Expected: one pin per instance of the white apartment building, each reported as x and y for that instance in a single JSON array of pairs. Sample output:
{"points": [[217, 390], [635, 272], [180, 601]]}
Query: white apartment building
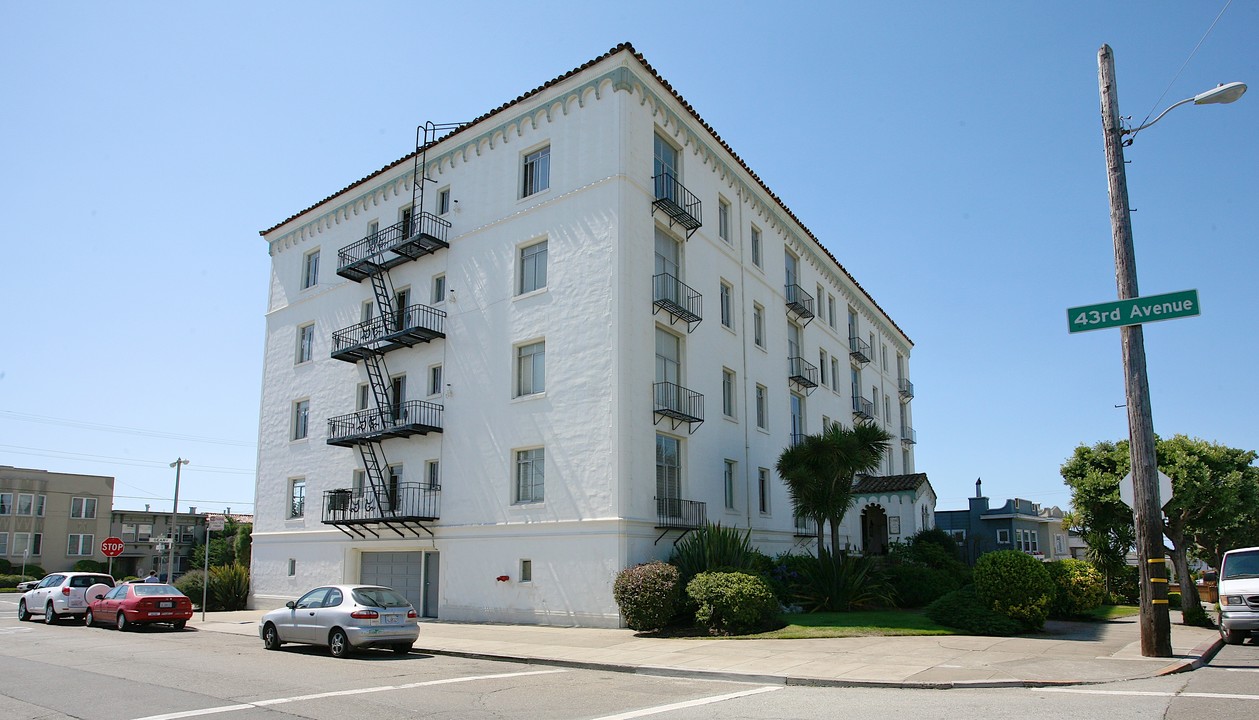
{"points": [[588, 330]]}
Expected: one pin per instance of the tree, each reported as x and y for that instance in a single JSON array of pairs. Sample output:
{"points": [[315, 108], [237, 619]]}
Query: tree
{"points": [[230, 545], [820, 471], [1102, 519]]}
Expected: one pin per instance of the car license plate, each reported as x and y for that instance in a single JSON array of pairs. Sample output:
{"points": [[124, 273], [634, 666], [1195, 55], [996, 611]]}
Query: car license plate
{"points": [[76, 602], [393, 619], [166, 604]]}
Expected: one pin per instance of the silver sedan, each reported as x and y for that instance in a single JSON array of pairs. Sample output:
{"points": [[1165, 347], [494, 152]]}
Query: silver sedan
{"points": [[344, 618]]}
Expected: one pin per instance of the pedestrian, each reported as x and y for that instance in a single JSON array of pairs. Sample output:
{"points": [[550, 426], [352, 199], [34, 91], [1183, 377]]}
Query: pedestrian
{"points": [[153, 578]]}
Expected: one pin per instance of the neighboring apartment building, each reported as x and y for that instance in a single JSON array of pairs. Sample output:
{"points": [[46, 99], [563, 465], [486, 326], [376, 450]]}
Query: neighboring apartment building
{"points": [[1017, 525], [52, 520], [147, 535], [589, 330]]}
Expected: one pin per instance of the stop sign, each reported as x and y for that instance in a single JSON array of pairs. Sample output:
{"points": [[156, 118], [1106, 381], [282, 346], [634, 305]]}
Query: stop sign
{"points": [[112, 547]]}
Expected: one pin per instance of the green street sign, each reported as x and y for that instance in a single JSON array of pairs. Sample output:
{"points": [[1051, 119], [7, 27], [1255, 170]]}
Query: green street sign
{"points": [[1133, 311]]}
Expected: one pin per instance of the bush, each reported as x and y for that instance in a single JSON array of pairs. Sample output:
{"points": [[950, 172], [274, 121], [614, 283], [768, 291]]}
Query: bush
{"points": [[786, 576], [1125, 587], [1078, 588], [914, 585], [838, 583], [92, 566], [192, 584], [229, 587], [1016, 585], [1173, 599], [732, 603], [33, 572], [11, 580], [962, 609], [714, 548], [648, 595], [6, 567]]}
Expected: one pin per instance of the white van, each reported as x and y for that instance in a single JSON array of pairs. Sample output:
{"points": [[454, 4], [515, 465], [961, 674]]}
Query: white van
{"points": [[1239, 594]]}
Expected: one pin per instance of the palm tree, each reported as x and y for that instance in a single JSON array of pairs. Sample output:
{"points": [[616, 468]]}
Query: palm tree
{"points": [[820, 470]]}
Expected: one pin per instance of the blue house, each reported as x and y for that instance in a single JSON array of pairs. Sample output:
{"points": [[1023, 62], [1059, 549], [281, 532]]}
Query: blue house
{"points": [[1017, 525]]}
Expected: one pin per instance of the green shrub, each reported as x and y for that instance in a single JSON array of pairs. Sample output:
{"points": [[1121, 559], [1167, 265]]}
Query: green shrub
{"points": [[92, 566], [32, 572], [838, 583], [648, 595], [786, 576], [962, 609], [11, 580], [192, 584], [933, 539], [1016, 585], [714, 548], [732, 603], [1078, 588], [6, 567], [914, 585], [1173, 599], [1125, 586], [229, 587]]}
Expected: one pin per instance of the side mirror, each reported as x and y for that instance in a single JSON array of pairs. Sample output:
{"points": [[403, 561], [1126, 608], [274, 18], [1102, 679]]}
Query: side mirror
{"points": [[99, 597], [291, 604]]}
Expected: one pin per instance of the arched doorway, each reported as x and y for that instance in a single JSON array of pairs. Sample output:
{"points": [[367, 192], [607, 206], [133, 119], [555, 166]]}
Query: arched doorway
{"points": [[874, 530]]}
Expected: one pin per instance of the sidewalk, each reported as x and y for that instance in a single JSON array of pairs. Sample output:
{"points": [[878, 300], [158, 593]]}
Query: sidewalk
{"points": [[1066, 654]]}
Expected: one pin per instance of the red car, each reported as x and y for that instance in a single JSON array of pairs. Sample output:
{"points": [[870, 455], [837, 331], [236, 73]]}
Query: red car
{"points": [[132, 604]]}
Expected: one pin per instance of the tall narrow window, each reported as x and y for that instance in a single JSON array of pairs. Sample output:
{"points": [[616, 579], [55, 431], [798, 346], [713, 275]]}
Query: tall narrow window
{"points": [[852, 324], [668, 357], [727, 305], [830, 309], [301, 419], [439, 289], [756, 246], [306, 343], [797, 417], [532, 268], [4, 544], [530, 369], [727, 393], [6, 503], [297, 497], [762, 408], [822, 365], [443, 201], [433, 472], [762, 490], [791, 264], [668, 476], [536, 175], [758, 325], [310, 269], [723, 219], [529, 475], [435, 380], [728, 483], [664, 163], [364, 394]]}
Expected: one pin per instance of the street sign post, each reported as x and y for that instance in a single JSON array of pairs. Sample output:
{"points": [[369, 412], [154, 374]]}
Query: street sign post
{"points": [[1133, 311]]}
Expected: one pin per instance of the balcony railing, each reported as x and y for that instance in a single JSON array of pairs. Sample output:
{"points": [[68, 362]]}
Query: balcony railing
{"points": [[414, 417], [906, 388], [805, 526], [863, 408], [677, 513], [908, 436], [799, 302], [859, 350], [795, 439], [680, 204], [676, 298], [401, 242], [404, 501], [802, 372], [678, 403], [415, 324]]}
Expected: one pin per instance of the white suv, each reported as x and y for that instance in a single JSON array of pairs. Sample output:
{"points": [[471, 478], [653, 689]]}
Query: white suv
{"points": [[60, 594], [1239, 594]]}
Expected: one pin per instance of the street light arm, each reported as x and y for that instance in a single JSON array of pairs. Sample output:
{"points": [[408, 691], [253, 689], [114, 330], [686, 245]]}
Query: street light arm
{"points": [[1222, 94], [1134, 131]]}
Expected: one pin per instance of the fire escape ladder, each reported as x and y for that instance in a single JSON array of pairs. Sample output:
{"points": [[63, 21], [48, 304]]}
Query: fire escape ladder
{"points": [[425, 135], [382, 288], [375, 465], [378, 379]]}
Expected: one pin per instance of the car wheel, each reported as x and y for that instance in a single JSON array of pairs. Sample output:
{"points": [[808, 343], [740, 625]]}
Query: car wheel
{"points": [[88, 619], [22, 613], [402, 648], [180, 624], [271, 637], [121, 622], [50, 615], [1232, 637], [338, 643]]}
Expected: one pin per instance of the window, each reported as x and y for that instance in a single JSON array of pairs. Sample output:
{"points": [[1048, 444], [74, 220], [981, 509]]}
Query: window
{"points": [[144, 532], [433, 473], [6, 503], [1003, 537], [852, 324], [297, 497], [435, 380], [756, 246], [83, 507], [728, 483], [306, 343], [292, 567], [821, 293], [439, 290], [24, 541], [443, 201], [80, 545], [364, 394], [884, 357], [41, 500], [664, 162], [887, 407], [25, 504], [668, 476], [367, 311], [532, 268], [404, 221], [830, 310], [128, 531], [823, 365], [530, 369], [356, 481], [1034, 541], [529, 475], [310, 269], [301, 419], [727, 305], [4, 544], [835, 374], [762, 490], [526, 571], [723, 219], [536, 174], [758, 325], [761, 408], [727, 393]]}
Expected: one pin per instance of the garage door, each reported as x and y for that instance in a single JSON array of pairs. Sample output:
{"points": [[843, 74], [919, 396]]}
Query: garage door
{"points": [[401, 571]]}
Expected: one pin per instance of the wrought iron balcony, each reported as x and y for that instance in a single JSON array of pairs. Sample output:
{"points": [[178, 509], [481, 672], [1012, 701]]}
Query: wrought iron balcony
{"points": [[863, 408], [415, 324], [676, 298], [908, 436], [806, 527], [795, 439], [392, 503], [859, 351], [802, 372], [678, 404], [414, 417], [683, 514], [399, 243], [678, 203], [799, 303], [906, 388]]}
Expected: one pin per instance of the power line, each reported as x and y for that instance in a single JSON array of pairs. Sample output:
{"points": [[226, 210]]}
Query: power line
{"points": [[27, 417], [109, 460]]}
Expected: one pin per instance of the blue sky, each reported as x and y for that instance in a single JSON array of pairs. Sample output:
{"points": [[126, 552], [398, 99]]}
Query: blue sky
{"points": [[949, 154]]}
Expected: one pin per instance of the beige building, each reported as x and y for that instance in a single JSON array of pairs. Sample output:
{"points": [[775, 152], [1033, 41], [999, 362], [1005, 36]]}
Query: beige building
{"points": [[52, 520]]}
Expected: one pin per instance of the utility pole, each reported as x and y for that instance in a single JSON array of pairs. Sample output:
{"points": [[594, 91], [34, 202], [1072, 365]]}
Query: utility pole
{"points": [[1156, 631], [174, 530]]}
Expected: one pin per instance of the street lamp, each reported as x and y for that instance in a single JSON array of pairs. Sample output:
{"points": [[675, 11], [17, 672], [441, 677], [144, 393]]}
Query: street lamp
{"points": [[1156, 637], [170, 563]]}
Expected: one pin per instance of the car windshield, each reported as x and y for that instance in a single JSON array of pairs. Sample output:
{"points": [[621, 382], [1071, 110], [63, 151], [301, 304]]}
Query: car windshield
{"points": [[155, 589], [1241, 565], [379, 597]]}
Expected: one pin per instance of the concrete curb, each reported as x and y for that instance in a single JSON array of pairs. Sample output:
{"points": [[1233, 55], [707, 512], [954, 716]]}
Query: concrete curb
{"points": [[1196, 658]]}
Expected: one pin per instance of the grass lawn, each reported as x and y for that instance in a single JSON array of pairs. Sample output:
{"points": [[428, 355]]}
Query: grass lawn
{"points": [[1110, 612], [855, 624]]}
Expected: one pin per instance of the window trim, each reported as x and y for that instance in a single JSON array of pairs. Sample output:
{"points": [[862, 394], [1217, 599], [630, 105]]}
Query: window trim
{"points": [[729, 394], [296, 504], [1003, 533], [763, 491], [762, 407], [758, 248], [725, 301], [532, 259], [298, 421], [310, 271], [518, 356], [723, 220], [443, 200], [729, 475], [528, 184], [305, 343], [537, 491], [83, 501], [758, 325]]}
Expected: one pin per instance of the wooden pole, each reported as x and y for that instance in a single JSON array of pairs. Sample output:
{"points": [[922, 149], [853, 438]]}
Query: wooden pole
{"points": [[1156, 631]]}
